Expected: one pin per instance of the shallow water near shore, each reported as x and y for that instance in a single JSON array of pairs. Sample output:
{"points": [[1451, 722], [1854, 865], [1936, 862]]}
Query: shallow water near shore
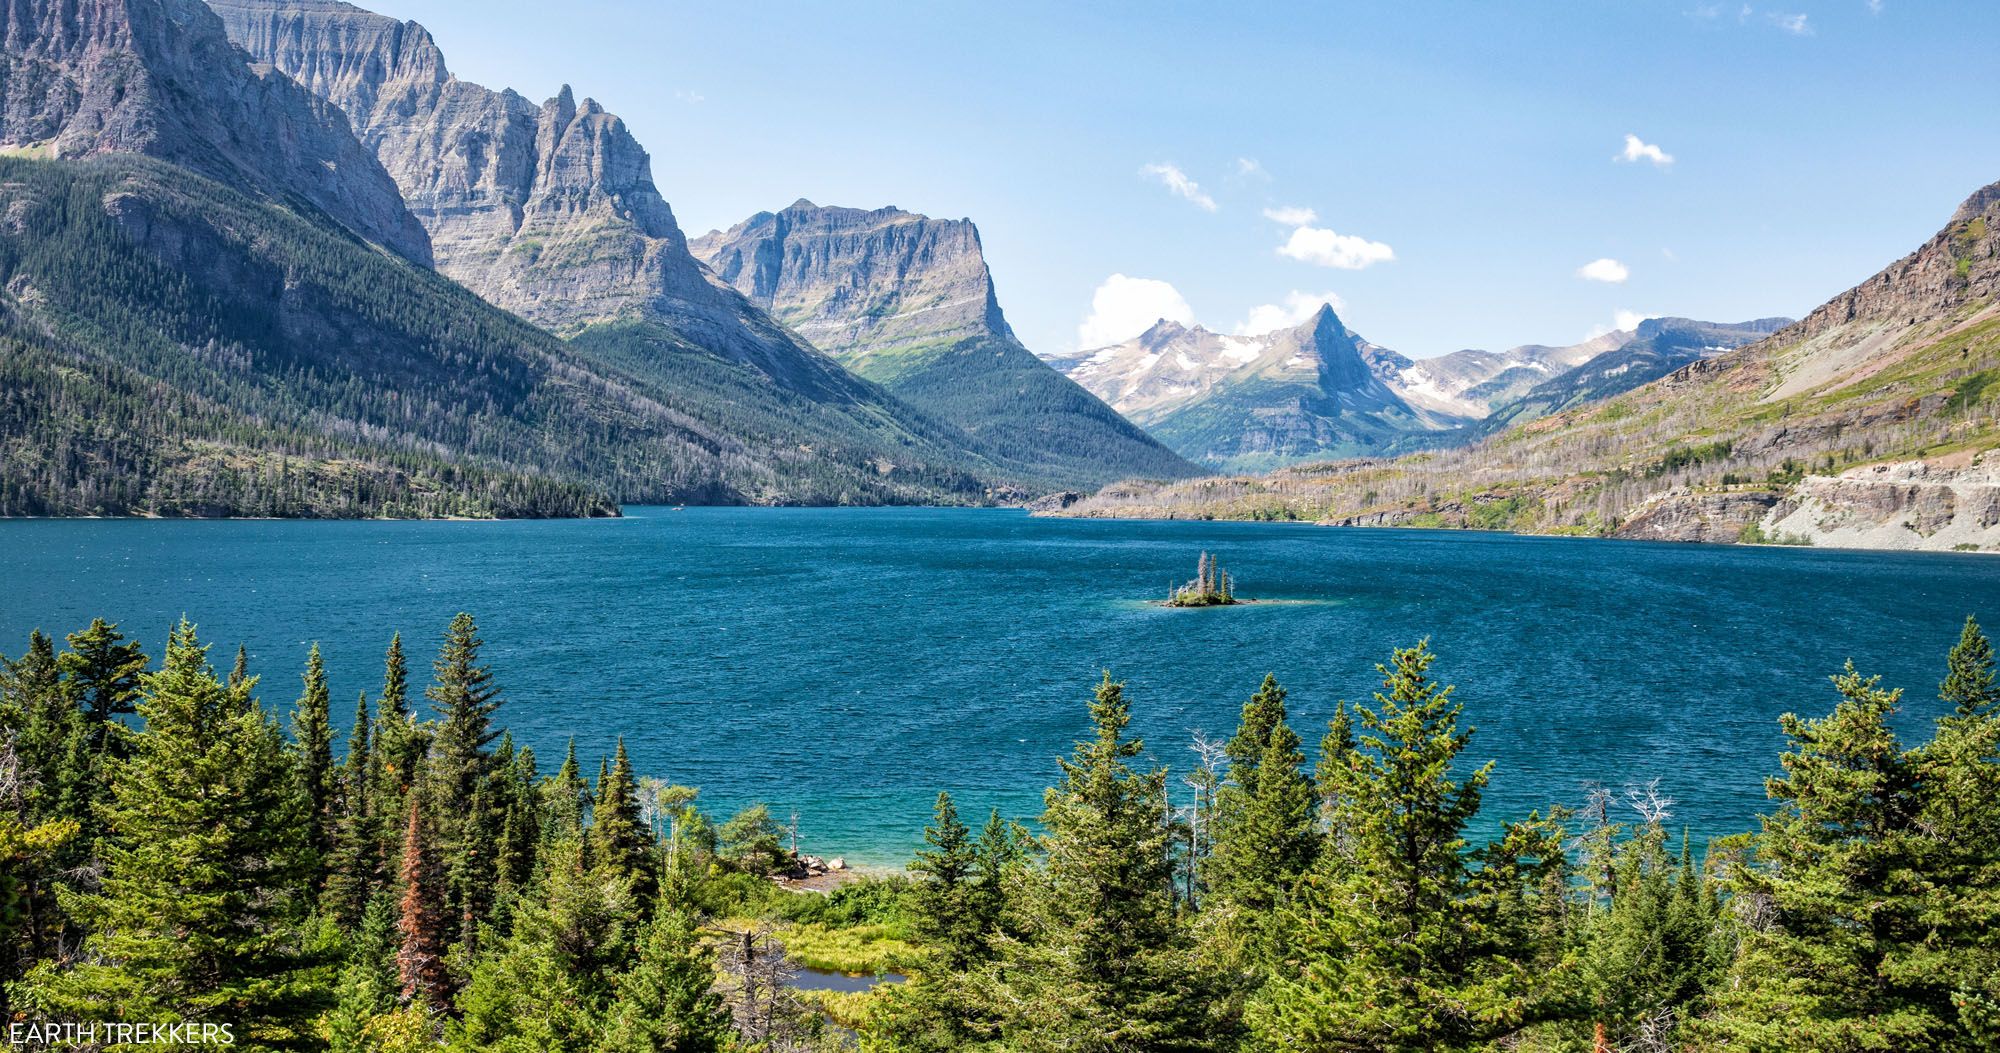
{"points": [[850, 663]]}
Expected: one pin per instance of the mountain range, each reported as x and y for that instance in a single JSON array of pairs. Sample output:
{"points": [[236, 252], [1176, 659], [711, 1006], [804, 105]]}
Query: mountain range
{"points": [[1869, 423], [550, 211], [319, 275], [1318, 391]]}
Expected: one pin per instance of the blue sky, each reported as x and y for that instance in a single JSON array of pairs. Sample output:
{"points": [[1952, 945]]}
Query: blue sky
{"points": [[1464, 164]]}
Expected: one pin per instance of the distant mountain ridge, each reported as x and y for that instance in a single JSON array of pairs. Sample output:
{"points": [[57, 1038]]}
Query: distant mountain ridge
{"points": [[1242, 401], [908, 301], [1873, 422]]}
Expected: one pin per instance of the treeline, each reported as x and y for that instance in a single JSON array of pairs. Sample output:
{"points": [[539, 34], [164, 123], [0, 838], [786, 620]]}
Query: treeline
{"points": [[168, 851]]}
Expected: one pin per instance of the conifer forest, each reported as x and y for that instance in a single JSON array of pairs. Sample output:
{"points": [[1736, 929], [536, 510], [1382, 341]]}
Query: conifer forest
{"points": [[172, 850]]}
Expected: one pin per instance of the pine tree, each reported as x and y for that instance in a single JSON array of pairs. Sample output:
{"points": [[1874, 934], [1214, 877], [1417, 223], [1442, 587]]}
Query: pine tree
{"points": [[312, 731], [198, 911], [456, 774], [1969, 682], [420, 951], [954, 921], [1333, 779], [1265, 835], [1959, 771], [1406, 945], [1836, 960], [354, 865], [1101, 961], [103, 673], [565, 798], [367, 988], [666, 1002], [402, 742], [465, 697], [546, 987], [618, 833], [240, 672]]}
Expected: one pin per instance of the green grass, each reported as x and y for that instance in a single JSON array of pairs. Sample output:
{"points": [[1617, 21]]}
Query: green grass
{"points": [[860, 950]]}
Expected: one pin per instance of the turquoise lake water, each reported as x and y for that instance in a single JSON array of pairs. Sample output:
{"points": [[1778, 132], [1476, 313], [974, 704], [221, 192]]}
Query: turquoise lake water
{"points": [[850, 663]]}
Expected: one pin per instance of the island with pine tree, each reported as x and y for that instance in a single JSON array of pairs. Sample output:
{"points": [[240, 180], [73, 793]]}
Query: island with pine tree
{"points": [[1211, 587]]}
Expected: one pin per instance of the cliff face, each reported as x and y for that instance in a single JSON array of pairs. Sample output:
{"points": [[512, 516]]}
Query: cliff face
{"points": [[907, 301], [861, 284], [160, 78], [546, 210]]}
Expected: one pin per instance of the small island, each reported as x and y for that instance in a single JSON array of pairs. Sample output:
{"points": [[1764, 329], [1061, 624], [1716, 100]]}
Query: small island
{"points": [[1211, 587]]}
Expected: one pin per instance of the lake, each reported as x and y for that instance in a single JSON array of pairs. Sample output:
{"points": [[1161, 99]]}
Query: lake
{"points": [[849, 663]]}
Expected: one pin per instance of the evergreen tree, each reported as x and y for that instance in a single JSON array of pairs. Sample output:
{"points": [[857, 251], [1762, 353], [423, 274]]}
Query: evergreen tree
{"points": [[312, 732], [1834, 957], [1969, 683], [546, 987], [104, 675], [1265, 834], [402, 740], [198, 912], [565, 798], [751, 842], [948, 919], [240, 672], [954, 920], [456, 774], [619, 836], [354, 864], [1960, 773], [1650, 956], [58, 774], [1407, 946], [420, 950], [367, 988], [465, 697], [1101, 962], [1333, 778], [666, 1002]]}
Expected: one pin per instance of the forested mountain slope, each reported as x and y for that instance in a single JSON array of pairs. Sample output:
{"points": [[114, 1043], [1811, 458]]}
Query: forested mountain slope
{"points": [[176, 347]]}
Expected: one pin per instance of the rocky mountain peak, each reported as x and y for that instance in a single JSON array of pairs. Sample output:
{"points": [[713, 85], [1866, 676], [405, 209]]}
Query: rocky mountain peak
{"points": [[1983, 202], [160, 77], [547, 210], [861, 283], [1161, 333]]}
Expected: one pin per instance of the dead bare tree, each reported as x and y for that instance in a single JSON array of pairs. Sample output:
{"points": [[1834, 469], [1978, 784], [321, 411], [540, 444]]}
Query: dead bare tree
{"points": [[757, 983]]}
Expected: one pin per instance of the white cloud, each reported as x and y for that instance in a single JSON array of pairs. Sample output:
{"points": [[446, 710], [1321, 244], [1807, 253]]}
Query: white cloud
{"points": [[1793, 24], [689, 96], [1291, 215], [1249, 168], [1874, 7], [1171, 177], [1294, 309], [1123, 307], [1637, 149], [1604, 270], [1328, 249], [1620, 320]]}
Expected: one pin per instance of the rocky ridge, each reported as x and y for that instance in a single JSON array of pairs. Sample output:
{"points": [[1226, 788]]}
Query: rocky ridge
{"points": [[547, 210], [161, 78]]}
